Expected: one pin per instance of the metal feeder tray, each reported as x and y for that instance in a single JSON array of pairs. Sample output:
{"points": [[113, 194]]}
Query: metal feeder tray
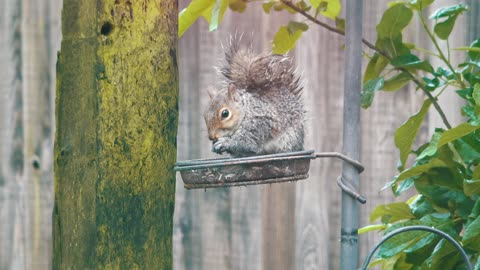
{"points": [[266, 169], [224, 172]]}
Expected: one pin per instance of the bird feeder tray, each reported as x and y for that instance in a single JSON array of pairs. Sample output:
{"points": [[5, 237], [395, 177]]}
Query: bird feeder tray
{"points": [[225, 172]]}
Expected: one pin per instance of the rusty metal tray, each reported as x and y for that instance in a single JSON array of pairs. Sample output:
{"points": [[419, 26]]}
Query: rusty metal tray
{"points": [[224, 172]]}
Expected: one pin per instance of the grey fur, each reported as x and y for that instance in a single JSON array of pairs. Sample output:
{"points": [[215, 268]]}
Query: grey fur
{"points": [[267, 103]]}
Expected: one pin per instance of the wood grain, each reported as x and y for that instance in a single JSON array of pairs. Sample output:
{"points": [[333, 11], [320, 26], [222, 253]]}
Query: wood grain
{"points": [[214, 229]]}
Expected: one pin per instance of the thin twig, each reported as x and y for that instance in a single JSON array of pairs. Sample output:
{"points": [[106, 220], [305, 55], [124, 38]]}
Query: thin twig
{"points": [[440, 52], [379, 51]]}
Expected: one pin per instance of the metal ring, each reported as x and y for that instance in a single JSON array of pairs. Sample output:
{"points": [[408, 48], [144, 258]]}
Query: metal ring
{"points": [[419, 228]]}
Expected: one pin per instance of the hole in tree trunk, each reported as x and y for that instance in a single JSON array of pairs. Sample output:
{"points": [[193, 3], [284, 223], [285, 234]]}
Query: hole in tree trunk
{"points": [[106, 29]]}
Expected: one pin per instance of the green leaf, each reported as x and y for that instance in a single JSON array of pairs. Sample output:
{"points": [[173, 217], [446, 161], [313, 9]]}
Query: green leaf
{"points": [[477, 265], [296, 26], [444, 256], [474, 52], [465, 93], [470, 49], [277, 6], [470, 64], [396, 82], [400, 242], [396, 262], [332, 10], [475, 212], [471, 187], [285, 40], [237, 5], [216, 15], [431, 84], [473, 113], [393, 45], [420, 4], [393, 21], [340, 24], [267, 6], [417, 170], [444, 29], [429, 239], [432, 146], [302, 5], [370, 228], [456, 133], [368, 91], [476, 172], [445, 73], [402, 186], [413, 240], [317, 3], [405, 60], [471, 78], [471, 236], [375, 67], [392, 212], [406, 134], [476, 93], [448, 11], [328, 8], [411, 60], [191, 13], [421, 207], [402, 262], [322, 6], [468, 148], [438, 188]]}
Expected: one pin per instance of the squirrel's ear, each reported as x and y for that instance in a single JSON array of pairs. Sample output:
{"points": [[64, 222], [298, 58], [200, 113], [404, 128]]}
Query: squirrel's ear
{"points": [[231, 91], [212, 92]]}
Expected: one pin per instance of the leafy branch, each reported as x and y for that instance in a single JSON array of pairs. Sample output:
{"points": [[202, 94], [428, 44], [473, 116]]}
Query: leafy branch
{"points": [[446, 169], [441, 55], [378, 50]]}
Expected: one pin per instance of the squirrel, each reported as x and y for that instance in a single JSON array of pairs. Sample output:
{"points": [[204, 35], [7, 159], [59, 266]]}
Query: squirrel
{"points": [[260, 110]]}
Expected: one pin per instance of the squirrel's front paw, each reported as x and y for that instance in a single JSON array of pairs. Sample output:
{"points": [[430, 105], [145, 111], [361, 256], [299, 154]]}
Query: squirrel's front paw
{"points": [[220, 145]]}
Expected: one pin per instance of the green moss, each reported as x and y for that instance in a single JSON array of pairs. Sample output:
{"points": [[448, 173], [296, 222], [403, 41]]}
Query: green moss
{"points": [[117, 108]]}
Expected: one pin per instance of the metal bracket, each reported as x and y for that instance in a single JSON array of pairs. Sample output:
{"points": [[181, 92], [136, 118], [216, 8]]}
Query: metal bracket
{"points": [[345, 185]]}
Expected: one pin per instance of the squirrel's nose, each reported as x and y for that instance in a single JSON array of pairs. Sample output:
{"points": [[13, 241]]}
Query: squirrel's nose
{"points": [[213, 137]]}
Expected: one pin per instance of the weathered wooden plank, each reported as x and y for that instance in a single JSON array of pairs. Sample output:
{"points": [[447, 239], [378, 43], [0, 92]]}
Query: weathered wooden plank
{"points": [[28, 183], [37, 118], [236, 239], [319, 58], [10, 117], [203, 215]]}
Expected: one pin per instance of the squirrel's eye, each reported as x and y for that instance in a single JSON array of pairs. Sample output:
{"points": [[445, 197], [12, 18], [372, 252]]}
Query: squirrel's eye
{"points": [[225, 114]]}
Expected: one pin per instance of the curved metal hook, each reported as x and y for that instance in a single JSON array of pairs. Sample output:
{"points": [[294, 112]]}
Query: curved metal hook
{"points": [[419, 228], [345, 185], [350, 190], [341, 156]]}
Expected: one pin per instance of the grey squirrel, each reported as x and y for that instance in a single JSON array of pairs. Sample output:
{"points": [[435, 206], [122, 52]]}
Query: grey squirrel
{"points": [[260, 111]]}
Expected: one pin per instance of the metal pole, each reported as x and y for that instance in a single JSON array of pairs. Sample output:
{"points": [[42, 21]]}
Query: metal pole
{"points": [[351, 132]]}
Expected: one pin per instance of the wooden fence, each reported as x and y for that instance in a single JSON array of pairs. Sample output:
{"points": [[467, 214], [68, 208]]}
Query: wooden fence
{"points": [[281, 226]]}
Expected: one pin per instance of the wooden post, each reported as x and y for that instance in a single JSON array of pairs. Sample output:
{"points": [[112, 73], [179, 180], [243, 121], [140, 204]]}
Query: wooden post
{"points": [[115, 145]]}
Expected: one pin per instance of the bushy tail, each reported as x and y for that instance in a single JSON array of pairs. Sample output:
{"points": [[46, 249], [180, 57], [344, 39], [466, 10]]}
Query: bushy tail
{"points": [[262, 73]]}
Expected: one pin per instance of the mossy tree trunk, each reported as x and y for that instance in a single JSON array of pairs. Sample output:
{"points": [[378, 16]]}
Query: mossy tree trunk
{"points": [[115, 145]]}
